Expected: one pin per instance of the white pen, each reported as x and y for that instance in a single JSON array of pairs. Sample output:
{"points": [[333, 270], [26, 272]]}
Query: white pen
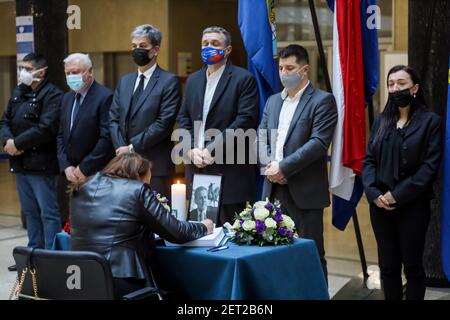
{"points": [[220, 248]]}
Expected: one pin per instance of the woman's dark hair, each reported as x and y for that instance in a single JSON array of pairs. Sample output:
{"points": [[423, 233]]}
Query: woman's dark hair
{"points": [[127, 165], [391, 114]]}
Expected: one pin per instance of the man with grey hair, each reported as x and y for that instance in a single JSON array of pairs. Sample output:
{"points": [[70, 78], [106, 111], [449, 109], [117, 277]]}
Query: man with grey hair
{"points": [[84, 143], [145, 107], [221, 96]]}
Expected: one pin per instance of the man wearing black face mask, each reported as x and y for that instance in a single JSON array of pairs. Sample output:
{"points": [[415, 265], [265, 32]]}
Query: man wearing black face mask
{"points": [[144, 108]]}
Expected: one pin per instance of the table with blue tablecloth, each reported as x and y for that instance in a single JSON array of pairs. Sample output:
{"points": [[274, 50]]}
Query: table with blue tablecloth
{"points": [[240, 272]]}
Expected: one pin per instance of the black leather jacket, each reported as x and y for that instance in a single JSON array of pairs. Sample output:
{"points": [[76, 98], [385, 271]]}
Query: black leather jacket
{"points": [[117, 218]]}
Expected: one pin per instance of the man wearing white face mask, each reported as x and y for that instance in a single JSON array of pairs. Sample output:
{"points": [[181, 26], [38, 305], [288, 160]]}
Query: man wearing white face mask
{"points": [[28, 132], [296, 130], [84, 142]]}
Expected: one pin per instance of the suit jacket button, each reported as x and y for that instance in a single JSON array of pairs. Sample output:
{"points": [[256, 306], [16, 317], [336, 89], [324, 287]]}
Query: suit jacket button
{"points": [[405, 148], [404, 161]]}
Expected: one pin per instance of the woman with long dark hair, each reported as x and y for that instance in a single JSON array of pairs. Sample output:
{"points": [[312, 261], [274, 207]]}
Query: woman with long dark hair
{"points": [[115, 213], [401, 164]]}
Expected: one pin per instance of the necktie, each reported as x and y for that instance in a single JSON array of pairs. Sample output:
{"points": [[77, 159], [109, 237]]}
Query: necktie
{"points": [[134, 100], [137, 94], [75, 110]]}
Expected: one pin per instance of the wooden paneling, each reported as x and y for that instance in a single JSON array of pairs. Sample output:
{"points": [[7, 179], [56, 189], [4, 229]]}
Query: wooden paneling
{"points": [[106, 25]]}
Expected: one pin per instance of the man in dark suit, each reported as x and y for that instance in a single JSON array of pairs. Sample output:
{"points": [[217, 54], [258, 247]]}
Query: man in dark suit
{"points": [[84, 143], [221, 96], [203, 211], [294, 134], [144, 109]]}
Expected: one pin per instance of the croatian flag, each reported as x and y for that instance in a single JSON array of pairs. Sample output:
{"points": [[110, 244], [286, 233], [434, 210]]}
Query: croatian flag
{"points": [[355, 79]]}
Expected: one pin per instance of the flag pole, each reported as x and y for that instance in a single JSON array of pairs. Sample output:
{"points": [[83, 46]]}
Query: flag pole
{"points": [[323, 63]]}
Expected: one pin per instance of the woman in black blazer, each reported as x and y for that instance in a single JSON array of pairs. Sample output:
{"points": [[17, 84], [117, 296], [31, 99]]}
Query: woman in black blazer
{"points": [[115, 213], [401, 164]]}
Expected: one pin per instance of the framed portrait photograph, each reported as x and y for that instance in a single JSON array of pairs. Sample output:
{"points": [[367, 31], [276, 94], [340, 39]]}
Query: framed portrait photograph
{"points": [[206, 194]]}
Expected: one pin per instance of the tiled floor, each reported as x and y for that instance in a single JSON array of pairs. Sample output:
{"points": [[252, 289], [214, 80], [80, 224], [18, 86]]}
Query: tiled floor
{"points": [[341, 248]]}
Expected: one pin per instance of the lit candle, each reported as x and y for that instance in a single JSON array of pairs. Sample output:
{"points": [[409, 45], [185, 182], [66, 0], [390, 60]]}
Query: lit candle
{"points": [[179, 200]]}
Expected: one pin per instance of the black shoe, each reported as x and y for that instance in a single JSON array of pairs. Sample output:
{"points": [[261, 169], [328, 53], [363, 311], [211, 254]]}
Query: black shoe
{"points": [[12, 268]]}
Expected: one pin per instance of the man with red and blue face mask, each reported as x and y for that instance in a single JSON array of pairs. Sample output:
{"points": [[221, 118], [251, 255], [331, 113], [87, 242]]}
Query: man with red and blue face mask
{"points": [[221, 97]]}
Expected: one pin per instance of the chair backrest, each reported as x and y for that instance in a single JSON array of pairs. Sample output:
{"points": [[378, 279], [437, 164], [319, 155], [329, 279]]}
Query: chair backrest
{"points": [[65, 275]]}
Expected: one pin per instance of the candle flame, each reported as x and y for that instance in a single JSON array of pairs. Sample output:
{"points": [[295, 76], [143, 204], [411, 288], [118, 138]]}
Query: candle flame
{"points": [[178, 181]]}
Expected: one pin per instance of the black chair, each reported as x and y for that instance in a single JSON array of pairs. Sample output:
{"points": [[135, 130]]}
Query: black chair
{"points": [[70, 275]]}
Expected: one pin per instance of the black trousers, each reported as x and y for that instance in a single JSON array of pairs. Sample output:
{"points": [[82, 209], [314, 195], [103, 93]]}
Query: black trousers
{"points": [[400, 236], [309, 223]]}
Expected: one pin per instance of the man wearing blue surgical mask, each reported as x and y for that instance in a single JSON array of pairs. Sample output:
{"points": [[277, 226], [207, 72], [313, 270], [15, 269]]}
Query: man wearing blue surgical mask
{"points": [[294, 135], [221, 97], [84, 143]]}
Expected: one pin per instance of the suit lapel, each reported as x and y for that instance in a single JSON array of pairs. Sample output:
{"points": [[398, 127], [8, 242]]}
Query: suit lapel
{"points": [[128, 93], [300, 108], [68, 111], [275, 114], [86, 101], [198, 107], [150, 85], [413, 126]]}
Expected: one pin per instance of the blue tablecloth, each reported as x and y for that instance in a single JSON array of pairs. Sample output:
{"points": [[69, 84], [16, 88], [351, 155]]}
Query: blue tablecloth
{"points": [[240, 272]]}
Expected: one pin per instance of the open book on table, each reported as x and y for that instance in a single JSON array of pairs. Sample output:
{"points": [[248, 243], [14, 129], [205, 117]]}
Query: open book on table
{"points": [[210, 240]]}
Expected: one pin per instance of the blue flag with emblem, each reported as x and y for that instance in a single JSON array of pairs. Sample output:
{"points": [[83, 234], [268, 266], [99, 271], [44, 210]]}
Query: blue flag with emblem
{"points": [[256, 20]]}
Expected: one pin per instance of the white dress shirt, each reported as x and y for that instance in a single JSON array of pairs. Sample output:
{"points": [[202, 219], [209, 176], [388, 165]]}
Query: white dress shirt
{"points": [[148, 74], [212, 81], [286, 114]]}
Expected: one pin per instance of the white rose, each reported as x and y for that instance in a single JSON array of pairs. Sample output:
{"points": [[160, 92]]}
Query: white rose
{"points": [[270, 223], [261, 214], [287, 222], [248, 225], [260, 204], [245, 213], [236, 224]]}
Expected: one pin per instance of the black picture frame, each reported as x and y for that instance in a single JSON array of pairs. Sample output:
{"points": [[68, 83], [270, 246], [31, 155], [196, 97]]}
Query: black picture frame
{"points": [[213, 185]]}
